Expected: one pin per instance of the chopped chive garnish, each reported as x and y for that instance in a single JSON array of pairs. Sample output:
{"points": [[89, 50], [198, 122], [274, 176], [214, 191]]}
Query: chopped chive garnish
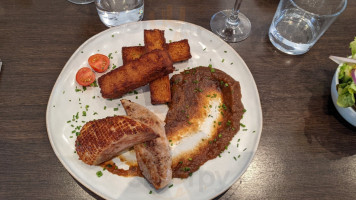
{"points": [[186, 169], [99, 173]]}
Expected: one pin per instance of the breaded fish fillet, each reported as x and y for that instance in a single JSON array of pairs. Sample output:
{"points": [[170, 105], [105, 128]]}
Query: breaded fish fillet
{"points": [[179, 51], [154, 156], [147, 68], [100, 140]]}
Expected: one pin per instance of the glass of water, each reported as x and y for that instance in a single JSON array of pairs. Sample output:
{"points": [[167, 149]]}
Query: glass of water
{"points": [[298, 24], [81, 1], [117, 12]]}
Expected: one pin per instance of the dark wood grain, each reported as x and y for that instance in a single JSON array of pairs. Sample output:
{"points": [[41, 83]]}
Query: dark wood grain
{"points": [[307, 151]]}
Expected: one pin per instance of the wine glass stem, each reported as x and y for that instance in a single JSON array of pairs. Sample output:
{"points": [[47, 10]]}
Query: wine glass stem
{"points": [[233, 18]]}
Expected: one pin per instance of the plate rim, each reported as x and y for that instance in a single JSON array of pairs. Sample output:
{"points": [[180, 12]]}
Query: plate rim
{"points": [[100, 193]]}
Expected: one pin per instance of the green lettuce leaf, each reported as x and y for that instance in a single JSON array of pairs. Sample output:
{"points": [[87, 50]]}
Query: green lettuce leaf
{"points": [[346, 95], [353, 48], [345, 73]]}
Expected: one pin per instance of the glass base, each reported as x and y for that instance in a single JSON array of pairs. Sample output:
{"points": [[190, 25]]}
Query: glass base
{"points": [[81, 1], [285, 45], [228, 31]]}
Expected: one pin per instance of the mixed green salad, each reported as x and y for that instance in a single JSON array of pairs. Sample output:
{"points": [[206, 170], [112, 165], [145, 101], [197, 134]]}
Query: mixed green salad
{"points": [[346, 88]]}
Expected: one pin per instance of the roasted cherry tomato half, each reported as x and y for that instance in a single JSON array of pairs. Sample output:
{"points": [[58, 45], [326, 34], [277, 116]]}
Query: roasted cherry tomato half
{"points": [[85, 76], [99, 62]]}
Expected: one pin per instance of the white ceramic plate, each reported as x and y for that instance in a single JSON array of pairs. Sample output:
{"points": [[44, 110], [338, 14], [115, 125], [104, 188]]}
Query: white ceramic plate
{"points": [[65, 103], [349, 114]]}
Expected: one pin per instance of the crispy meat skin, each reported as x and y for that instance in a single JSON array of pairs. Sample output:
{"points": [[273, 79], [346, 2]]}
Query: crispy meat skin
{"points": [[179, 51], [154, 156], [137, 73], [100, 140]]}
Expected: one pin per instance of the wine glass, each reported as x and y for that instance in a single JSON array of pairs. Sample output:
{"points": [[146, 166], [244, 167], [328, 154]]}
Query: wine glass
{"points": [[231, 25]]}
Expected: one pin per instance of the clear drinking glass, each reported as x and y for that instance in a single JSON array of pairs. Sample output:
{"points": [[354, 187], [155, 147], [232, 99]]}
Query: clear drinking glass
{"points": [[81, 1], [116, 12], [298, 24], [231, 25]]}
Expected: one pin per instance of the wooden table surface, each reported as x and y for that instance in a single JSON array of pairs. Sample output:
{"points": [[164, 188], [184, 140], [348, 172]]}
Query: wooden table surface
{"points": [[306, 151]]}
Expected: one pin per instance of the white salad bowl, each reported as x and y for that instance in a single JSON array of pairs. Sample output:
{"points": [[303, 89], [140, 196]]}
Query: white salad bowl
{"points": [[349, 114]]}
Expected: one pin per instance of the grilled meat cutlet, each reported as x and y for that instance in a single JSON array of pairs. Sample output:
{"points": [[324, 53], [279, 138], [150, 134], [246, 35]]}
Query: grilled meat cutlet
{"points": [[154, 156], [101, 140], [147, 68]]}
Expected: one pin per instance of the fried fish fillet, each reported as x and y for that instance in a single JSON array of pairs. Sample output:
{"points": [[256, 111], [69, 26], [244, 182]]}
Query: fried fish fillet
{"points": [[100, 140], [179, 51], [154, 156], [147, 68]]}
